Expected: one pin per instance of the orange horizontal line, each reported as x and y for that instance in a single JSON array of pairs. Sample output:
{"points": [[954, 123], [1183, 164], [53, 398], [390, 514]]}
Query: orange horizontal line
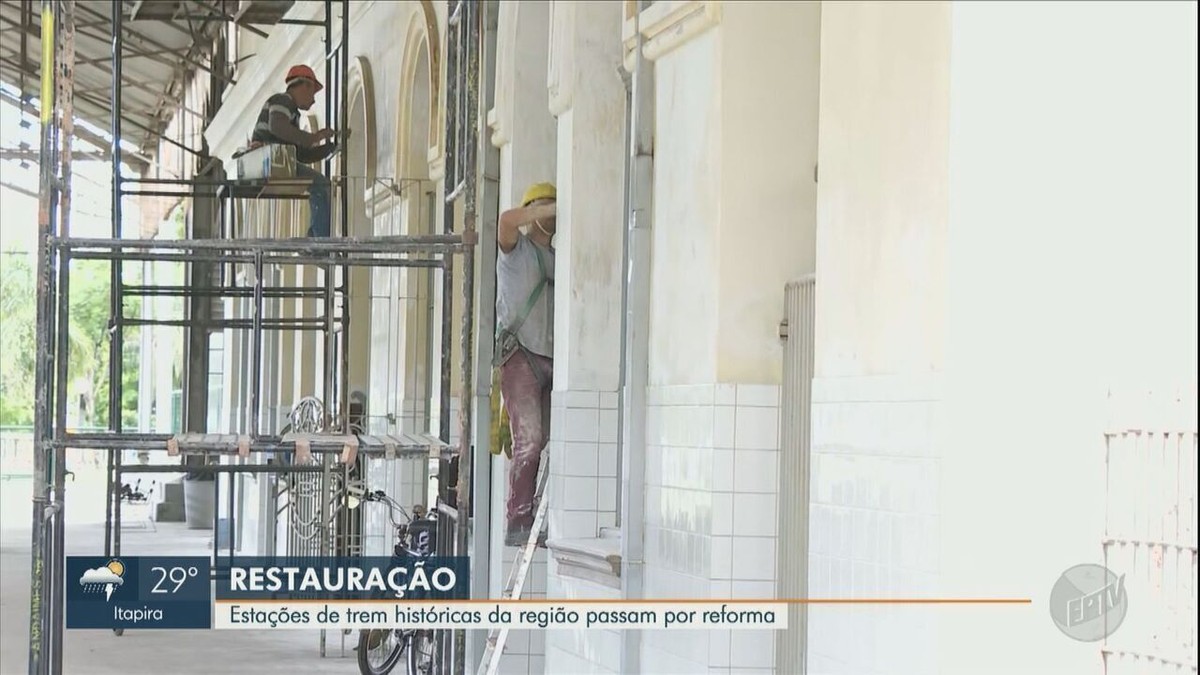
{"points": [[686, 601]]}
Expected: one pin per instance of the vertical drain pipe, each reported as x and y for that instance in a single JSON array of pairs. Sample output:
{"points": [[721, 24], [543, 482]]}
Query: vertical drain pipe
{"points": [[637, 341]]}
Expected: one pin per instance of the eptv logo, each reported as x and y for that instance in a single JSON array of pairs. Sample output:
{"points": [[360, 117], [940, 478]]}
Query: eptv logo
{"points": [[1088, 602]]}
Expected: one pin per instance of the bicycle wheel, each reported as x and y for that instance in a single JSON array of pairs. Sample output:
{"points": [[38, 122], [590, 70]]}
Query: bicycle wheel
{"points": [[420, 652], [379, 650]]}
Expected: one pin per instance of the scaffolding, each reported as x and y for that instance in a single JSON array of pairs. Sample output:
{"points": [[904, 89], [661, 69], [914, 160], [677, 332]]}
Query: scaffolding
{"points": [[220, 262]]}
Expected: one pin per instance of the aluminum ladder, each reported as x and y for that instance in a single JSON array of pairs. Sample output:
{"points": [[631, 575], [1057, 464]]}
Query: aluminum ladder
{"points": [[490, 663]]}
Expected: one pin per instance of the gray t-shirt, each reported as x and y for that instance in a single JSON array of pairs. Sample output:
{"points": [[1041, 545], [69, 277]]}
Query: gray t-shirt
{"points": [[517, 274]]}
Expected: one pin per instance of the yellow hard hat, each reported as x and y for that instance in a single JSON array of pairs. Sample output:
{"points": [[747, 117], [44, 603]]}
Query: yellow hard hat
{"points": [[539, 191]]}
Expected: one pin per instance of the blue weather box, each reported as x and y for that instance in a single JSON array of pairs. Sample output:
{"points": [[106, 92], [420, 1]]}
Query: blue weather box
{"points": [[138, 592]]}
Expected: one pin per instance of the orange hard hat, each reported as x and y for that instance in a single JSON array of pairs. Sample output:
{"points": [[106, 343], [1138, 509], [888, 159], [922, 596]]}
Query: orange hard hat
{"points": [[302, 72]]}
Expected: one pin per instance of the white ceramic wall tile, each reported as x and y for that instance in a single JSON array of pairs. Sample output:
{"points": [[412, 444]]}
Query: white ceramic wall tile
{"points": [[580, 399], [607, 460], [752, 649], [723, 426], [576, 494], [754, 515], [756, 429], [654, 466], [718, 647], [606, 494], [608, 426], [722, 514], [580, 424], [609, 400], [874, 522], [758, 395], [753, 558], [723, 470], [576, 459], [684, 395], [577, 524], [756, 471], [659, 661], [743, 589], [722, 558]]}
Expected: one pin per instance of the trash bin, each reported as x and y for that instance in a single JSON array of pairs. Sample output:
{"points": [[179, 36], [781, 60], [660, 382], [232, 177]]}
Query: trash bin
{"points": [[198, 503]]}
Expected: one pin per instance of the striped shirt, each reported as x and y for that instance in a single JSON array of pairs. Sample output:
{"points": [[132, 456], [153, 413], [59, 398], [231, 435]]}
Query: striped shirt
{"points": [[279, 103]]}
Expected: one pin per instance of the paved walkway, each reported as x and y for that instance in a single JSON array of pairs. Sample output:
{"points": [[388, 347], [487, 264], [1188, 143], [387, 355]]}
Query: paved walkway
{"points": [[90, 652]]}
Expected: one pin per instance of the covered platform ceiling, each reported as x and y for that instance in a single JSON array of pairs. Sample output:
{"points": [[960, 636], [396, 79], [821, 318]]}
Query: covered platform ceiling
{"points": [[164, 43]]}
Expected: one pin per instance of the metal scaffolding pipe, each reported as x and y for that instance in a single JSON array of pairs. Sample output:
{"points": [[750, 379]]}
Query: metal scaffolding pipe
{"points": [[247, 324], [256, 349], [334, 256], [221, 468], [344, 193], [273, 292], [66, 82], [43, 364], [390, 244]]}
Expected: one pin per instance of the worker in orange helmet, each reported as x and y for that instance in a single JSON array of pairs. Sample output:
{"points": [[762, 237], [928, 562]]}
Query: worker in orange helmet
{"points": [[279, 123], [525, 344]]}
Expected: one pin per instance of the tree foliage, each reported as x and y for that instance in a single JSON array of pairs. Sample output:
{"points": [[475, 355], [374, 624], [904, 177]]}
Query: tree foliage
{"points": [[88, 339]]}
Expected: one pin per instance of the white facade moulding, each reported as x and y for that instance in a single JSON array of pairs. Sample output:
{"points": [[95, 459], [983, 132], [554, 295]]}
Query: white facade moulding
{"points": [[361, 84], [417, 38], [667, 25], [560, 76], [499, 118], [380, 199]]}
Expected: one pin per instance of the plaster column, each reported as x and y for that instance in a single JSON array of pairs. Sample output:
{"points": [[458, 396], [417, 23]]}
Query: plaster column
{"points": [[524, 130], [587, 96]]}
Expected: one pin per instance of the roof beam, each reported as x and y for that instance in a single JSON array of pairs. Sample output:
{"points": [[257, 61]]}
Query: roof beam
{"points": [[99, 65], [139, 162], [102, 106], [131, 55], [136, 36], [20, 190], [32, 155], [221, 14]]}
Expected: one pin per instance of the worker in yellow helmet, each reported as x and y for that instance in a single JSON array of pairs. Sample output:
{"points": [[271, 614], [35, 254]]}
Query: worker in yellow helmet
{"points": [[525, 344]]}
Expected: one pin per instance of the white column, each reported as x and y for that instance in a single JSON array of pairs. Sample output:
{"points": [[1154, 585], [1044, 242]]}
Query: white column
{"points": [[588, 97]]}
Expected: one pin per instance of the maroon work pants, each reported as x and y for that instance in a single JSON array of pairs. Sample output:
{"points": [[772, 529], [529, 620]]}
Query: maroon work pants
{"points": [[526, 380]]}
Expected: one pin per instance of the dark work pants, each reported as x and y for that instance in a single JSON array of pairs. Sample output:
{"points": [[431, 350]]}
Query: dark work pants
{"points": [[526, 380]]}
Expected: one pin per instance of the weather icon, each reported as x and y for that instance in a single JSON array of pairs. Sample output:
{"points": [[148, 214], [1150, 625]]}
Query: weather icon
{"points": [[103, 578]]}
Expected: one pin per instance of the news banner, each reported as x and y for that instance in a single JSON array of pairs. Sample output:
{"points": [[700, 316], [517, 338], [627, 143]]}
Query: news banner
{"points": [[255, 593]]}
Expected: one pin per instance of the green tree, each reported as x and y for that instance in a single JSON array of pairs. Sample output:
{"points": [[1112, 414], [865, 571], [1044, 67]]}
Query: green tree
{"points": [[88, 343], [18, 321]]}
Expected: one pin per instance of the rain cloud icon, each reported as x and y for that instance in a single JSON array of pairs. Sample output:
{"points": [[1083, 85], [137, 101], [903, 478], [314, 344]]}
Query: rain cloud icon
{"points": [[103, 578]]}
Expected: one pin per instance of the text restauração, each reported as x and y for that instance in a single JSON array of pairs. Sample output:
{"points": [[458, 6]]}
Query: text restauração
{"points": [[399, 580]]}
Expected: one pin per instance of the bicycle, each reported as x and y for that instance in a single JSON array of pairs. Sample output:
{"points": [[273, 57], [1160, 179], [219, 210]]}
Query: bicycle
{"points": [[380, 649]]}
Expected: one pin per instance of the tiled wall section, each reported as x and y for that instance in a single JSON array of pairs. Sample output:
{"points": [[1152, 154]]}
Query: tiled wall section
{"points": [[583, 463], [583, 498], [582, 651], [525, 652], [874, 522], [712, 470]]}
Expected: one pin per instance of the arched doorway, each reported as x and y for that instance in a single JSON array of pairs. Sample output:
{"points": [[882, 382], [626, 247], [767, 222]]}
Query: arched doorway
{"points": [[418, 200], [359, 172]]}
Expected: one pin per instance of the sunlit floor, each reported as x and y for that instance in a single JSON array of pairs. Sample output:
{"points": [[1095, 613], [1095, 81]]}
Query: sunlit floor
{"points": [[147, 651]]}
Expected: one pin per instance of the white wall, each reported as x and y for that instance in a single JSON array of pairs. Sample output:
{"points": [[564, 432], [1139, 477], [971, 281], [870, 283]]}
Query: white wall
{"points": [[881, 222], [1072, 264], [1006, 229], [687, 174], [770, 65]]}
